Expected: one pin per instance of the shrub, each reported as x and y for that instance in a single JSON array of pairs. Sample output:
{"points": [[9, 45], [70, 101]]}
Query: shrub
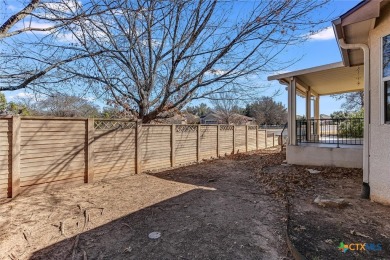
{"points": [[353, 126]]}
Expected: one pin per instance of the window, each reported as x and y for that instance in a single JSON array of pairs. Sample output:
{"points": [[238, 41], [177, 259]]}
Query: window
{"points": [[386, 56], [386, 75], [387, 101]]}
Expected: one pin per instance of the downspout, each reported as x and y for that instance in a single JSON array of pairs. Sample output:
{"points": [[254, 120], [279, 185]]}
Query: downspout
{"points": [[367, 120]]}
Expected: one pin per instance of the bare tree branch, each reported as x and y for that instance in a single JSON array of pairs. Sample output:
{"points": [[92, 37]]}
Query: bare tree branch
{"points": [[150, 57], [14, 19]]}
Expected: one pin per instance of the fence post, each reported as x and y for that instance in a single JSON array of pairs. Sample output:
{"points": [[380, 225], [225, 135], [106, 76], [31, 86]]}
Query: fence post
{"points": [[138, 142], [15, 157], [266, 138], [246, 138], [198, 144], [89, 158], [234, 139], [257, 135], [173, 144], [217, 140], [273, 139]]}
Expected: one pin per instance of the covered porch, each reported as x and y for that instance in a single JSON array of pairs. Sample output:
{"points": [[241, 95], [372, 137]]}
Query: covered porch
{"points": [[313, 140]]}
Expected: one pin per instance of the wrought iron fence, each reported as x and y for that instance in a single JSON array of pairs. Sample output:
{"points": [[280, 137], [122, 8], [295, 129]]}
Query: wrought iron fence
{"points": [[331, 131]]}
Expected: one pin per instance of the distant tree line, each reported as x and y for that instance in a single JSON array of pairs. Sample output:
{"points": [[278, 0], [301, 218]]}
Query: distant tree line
{"points": [[267, 111], [264, 110], [58, 106]]}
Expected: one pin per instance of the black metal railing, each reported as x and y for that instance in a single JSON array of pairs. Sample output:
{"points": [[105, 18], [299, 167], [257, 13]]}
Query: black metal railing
{"points": [[283, 136], [331, 131]]}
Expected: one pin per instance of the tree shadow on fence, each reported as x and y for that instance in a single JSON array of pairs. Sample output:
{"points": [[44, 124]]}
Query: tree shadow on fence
{"points": [[56, 162]]}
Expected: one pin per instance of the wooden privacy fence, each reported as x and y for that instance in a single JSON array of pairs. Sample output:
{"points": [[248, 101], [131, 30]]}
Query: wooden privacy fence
{"points": [[38, 153]]}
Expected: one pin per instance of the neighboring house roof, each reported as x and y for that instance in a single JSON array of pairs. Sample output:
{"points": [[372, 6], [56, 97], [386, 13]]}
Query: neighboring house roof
{"points": [[210, 114], [219, 117], [176, 117], [242, 117], [191, 118]]}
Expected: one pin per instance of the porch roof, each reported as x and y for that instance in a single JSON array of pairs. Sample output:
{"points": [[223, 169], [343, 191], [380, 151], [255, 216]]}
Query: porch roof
{"points": [[328, 79]]}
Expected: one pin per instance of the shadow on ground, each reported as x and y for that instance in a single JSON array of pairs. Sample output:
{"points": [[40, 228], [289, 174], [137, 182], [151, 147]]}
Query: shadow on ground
{"points": [[226, 216]]}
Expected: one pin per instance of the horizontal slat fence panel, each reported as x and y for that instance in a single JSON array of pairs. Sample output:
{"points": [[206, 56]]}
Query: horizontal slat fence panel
{"points": [[208, 141], [185, 144], [271, 140], [240, 139], [261, 137], [155, 147], [252, 138], [225, 140], [5, 156], [42, 163], [41, 153], [113, 149]]}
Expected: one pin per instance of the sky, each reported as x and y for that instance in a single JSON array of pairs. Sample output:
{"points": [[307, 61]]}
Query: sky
{"points": [[320, 49]]}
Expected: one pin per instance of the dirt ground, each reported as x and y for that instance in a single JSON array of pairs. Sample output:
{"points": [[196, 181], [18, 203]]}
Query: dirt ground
{"points": [[231, 208], [315, 231], [215, 210]]}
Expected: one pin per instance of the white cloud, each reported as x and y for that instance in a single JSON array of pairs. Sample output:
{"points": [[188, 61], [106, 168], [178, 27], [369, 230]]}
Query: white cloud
{"points": [[215, 72], [20, 95], [323, 35], [65, 6], [89, 99], [12, 8], [282, 72]]}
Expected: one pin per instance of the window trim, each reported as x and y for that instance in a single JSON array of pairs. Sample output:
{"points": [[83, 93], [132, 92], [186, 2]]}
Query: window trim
{"points": [[383, 88]]}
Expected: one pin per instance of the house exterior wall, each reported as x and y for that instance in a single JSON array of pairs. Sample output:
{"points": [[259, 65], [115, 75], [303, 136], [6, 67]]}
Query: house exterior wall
{"points": [[210, 119], [325, 156], [379, 165]]}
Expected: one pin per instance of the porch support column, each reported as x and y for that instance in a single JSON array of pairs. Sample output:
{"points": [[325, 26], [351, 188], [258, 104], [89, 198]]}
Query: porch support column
{"points": [[317, 114], [292, 111], [308, 114]]}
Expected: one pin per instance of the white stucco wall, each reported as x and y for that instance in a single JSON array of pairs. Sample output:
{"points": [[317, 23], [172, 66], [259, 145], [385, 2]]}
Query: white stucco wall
{"points": [[379, 165], [325, 156]]}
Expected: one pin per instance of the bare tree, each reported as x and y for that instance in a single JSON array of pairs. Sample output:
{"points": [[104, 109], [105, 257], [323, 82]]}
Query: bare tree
{"points": [[226, 106], [32, 40], [154, 56], [13, 19], [42, 16], [60, 105], [114, 112], [67, 106]]}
